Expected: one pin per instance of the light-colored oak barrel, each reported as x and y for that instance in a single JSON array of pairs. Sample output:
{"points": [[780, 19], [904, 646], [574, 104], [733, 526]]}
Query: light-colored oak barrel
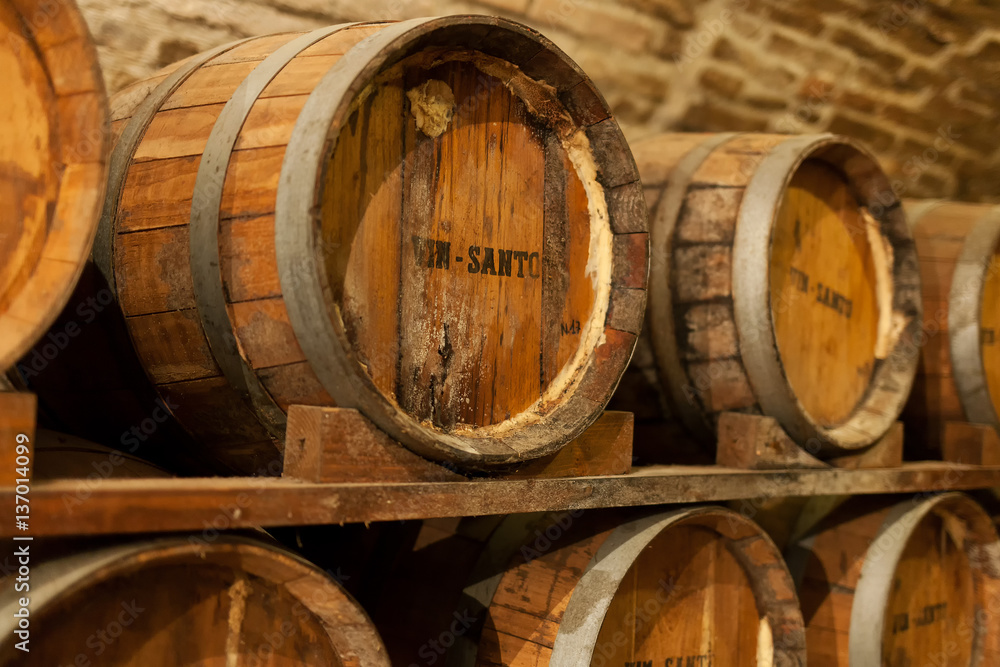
{"points": [[173, 601], [693, 586], [783, 281], [958, 246], [53, 148], [913, 583], [435, 221]]}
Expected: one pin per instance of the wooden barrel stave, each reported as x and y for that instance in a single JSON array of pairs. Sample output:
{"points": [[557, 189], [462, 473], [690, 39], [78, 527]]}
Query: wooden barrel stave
{"points": [[957, 245], [54, 147], [560, 590], [916, 582], [718, 323], [217, 129], [172, 601]]}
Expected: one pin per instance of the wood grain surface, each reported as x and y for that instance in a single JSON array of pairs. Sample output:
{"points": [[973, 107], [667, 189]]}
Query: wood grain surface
{"points": [[944, 233], [686, 599], [480, 250], [179, 602], [109, 506], [53, 148], [698, 585], [824, 295], [775, 288], [990, 328], [937, 589]]}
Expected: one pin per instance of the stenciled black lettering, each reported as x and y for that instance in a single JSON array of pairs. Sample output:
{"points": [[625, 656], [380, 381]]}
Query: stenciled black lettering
{"points": [[834, 300], [800, 279], [442, 252], [534, 265], [520, 256], [900, 623], [474, 258], [418, 249], [503, 259], [488, 265]]}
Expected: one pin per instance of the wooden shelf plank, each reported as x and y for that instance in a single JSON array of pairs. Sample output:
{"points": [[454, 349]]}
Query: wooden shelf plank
{"points": [[81, 507]]}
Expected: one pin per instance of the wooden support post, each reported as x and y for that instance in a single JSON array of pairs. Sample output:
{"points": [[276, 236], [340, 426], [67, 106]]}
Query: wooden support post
{"points": [[974, 444], [755, 442], [18, 415], [887, 452], [341, 445], [603, 449]]}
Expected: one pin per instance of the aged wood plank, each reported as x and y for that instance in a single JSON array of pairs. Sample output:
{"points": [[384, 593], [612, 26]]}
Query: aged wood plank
{"points": [[975, 444], [341, 445], [129, 506], [603, 449], [754, 442]]}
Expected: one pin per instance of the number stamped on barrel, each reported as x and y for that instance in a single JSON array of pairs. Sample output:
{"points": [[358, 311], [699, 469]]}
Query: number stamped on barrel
{"points": [[928, 615], [503, 262]]}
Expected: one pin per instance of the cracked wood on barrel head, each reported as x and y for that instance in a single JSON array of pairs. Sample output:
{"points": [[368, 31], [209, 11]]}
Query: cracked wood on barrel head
{"points": [[176, 601], [781, 283], [53, 147], [479, 248], [947, 235], [900, 584]]}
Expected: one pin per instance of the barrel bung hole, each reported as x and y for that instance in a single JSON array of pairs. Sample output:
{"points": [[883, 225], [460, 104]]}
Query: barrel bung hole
{"points": [[457, 254], [825, 277], [686, 600]]}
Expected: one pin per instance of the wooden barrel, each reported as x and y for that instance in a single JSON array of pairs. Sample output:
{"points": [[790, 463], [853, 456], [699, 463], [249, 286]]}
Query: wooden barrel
{"points": [[171, 601], [783, 281], [436, 222], [693, 586], [913, 583], [53, 147], [958, 246], [62, 456]]}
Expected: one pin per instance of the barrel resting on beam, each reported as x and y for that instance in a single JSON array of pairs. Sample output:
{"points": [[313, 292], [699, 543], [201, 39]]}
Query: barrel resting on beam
{"points": [[342, 445]]}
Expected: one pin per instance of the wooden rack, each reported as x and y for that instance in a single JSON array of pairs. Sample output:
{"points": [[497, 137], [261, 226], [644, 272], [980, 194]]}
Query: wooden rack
{"points": [[344, 471], [162, 505]]}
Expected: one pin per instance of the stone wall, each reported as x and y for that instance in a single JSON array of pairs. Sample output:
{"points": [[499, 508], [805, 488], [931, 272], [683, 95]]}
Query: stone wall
{"points": [[917, 80]]}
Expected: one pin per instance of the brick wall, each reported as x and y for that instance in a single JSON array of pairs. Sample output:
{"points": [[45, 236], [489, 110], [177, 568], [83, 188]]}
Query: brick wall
{"points": [[917, 80]]}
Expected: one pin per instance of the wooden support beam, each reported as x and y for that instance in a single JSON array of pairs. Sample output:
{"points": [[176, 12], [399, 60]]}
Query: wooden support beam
{"points": [[755, 442], [109, 506], [975, 444], [341, 445]]}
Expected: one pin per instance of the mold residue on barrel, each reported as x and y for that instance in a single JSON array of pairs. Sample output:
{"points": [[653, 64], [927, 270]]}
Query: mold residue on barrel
{"points": [[432, 104]]}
